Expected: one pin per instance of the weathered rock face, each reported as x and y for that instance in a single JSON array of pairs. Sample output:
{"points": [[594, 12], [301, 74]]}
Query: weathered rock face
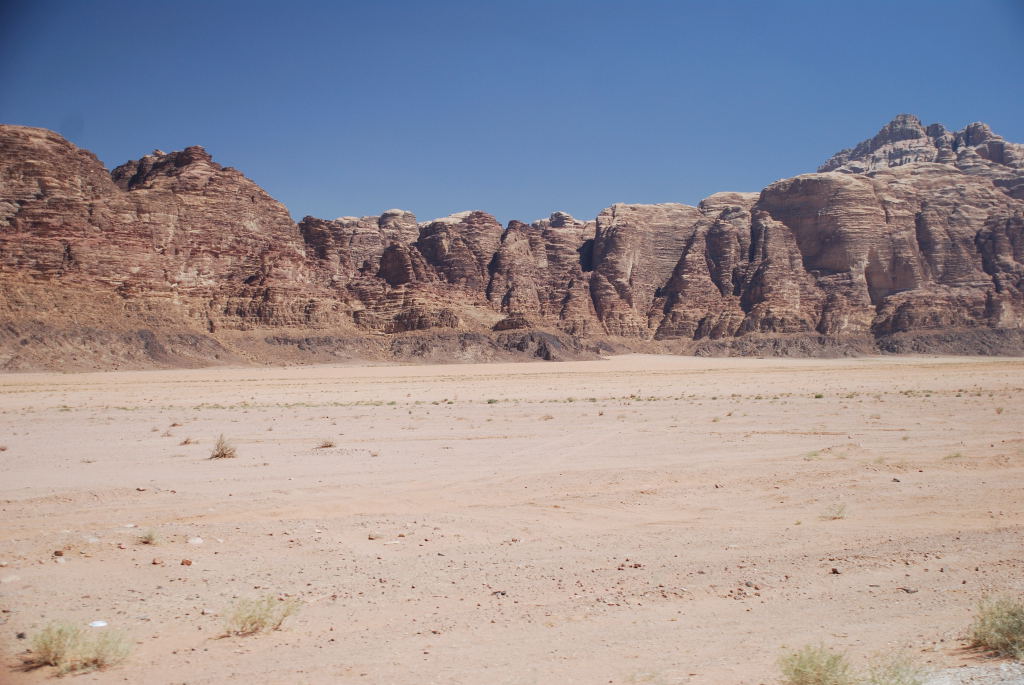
{"points": [[174, 229], [173, 259], [350, 244], [541, 273], [975, 150]]}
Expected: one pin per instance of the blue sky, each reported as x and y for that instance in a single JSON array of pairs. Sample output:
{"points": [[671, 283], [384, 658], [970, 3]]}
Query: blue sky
{"points": [[517, 108]]}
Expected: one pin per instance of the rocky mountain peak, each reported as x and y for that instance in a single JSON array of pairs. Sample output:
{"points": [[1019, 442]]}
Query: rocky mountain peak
{"points": [[976, 134], [561, 219], [398, 220], [974, 150], [193, 161], [902, 141], [902, 127]]}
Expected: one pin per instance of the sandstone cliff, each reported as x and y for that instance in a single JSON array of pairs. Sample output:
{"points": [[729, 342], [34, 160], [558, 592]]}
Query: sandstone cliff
{"points": [[910, 241]]}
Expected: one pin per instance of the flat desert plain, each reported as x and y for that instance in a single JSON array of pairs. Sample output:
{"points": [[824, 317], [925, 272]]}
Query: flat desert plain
{"points": [[640, 519]]}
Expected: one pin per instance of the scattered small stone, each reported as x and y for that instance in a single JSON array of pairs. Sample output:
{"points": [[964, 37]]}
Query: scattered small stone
{"points": [[895, 480], [157, 561], [195, 541], [58, 553], [21, 636], [908, 590], [121, 545], [140, 489], [186, 562], [373, 536], [835, 571], [499, 593]]}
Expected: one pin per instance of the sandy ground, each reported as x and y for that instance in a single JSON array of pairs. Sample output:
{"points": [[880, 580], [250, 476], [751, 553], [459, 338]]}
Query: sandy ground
{"points": [[635, 520]]}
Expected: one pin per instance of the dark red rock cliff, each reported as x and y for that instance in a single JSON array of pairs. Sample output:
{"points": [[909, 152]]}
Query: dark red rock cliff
{"points": [[910, 241]]}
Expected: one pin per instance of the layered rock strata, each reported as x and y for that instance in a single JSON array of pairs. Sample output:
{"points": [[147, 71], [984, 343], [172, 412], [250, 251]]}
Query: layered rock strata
{"points": [[910, 241]]}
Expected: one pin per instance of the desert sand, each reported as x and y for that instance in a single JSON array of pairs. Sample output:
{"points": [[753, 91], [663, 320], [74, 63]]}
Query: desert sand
{"points": [[640, 519]]}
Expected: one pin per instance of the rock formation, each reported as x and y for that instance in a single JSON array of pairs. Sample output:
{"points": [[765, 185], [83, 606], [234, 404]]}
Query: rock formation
{"points": [[910, 241]]}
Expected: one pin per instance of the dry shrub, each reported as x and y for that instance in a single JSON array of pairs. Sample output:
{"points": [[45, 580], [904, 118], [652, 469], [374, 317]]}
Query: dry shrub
{"points": [[251, 616], [69, 648], [999, 627], [223, 449], [836, 512], [894, 670], [815, 666]]}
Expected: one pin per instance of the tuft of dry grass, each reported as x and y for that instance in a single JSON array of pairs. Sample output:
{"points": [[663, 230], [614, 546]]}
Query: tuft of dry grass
{"points": [[69, 648], [895, 669], [223, 449], [835, 513], [815, 666], [325, 444], [148, 537], [251, 616], [999, 627], [187, 441]]}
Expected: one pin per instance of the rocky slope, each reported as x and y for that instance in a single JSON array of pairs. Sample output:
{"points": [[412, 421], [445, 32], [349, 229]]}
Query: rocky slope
{"points": [[910, 241]]}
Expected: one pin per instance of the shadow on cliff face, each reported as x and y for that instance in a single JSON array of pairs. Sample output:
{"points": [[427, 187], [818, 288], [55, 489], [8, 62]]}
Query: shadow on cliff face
{"points": [[39, 346], [991, 342], [91, 349], [440, 347]]}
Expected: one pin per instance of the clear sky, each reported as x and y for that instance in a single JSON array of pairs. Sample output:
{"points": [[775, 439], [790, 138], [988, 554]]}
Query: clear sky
{"points": [[518, 108]]}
